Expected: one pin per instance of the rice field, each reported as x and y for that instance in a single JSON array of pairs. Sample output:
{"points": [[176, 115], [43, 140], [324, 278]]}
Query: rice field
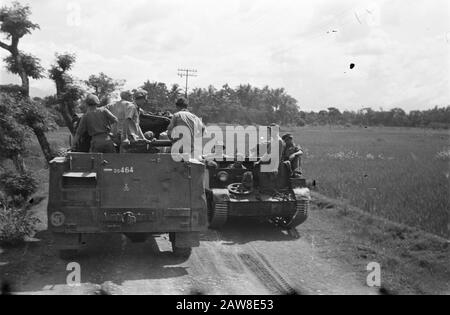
{"points": [[399, 173]]}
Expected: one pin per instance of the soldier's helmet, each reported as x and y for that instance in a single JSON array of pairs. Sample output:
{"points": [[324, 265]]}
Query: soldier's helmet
{"points": [[287, 136], [182, 102], [126, 96], [92, 100], [140, 94]]}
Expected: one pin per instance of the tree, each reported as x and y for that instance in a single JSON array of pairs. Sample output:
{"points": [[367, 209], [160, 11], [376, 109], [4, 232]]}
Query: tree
{"points": [[36, 117], [13, 136], [67, 92], [334, 115], [158, 96], [323, 117], [173, 94], [15, 24], [103, 86], [245, 105]]}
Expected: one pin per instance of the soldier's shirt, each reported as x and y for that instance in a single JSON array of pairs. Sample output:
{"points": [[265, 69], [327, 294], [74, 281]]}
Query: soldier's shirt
{"points": [[96, 122], [132, 116], [188, 119], [119, 109], [288, 151]]}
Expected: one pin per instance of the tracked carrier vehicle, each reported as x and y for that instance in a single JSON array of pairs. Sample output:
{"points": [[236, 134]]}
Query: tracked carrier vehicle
{"points": [[237, 188], [245, 192]]}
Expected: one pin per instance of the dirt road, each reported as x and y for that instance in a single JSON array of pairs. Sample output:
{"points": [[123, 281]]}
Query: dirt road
{"points": [[328, 256]]}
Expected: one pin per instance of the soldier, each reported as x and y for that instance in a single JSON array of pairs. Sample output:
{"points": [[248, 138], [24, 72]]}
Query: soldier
{"points": [[133, 111], [185, 118], [97, 123], [270, 181], [119, 110], [291, 156]]}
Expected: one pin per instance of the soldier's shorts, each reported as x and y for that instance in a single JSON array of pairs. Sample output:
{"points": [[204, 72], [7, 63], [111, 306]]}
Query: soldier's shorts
{"points": [[102, 144]]}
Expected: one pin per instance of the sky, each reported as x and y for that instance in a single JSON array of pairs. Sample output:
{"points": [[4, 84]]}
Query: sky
{"points": [[400, 48]]}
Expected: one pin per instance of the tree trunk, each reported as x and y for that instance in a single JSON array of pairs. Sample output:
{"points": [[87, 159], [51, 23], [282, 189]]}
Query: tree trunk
{"points": [[22, 73], [45, 146], [19, 163], [25, 85], [67, 116]]}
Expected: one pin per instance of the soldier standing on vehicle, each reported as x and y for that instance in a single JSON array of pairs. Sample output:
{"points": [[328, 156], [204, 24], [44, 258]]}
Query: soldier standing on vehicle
{"points": [[291, 155], [119, 109], [97, 123], [133, 112], [183, 117]]}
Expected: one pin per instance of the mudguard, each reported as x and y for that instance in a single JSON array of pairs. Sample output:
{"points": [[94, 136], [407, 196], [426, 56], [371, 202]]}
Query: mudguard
{"points": [[220, 195]]}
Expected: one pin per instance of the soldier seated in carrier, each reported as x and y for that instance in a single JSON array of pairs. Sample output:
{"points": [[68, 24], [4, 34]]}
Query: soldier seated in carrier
{"points": [[97, 124], [291, 156]]}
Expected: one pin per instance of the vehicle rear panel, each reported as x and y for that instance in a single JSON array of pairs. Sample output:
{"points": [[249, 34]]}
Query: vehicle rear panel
{"points": [[100, 192]]}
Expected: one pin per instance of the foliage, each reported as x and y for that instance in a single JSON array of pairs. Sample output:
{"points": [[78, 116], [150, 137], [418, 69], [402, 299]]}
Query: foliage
{"points": [[12, 90], [14, 20], [13, 136], [15, 225], [436, 118], [52, 106], [160, 98], [20, 114], [17, 187], [68, 92], [103, 86], [30, 63], [58, 71], [14, 24], [245, 105], [35, 116]]}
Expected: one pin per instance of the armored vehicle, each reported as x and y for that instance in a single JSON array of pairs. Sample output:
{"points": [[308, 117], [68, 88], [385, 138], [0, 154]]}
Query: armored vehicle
{"points": [[136, 194], [240, 190], [237, 188]]}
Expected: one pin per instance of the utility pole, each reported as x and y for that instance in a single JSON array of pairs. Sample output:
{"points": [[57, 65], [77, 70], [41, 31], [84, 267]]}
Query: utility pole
{"points": [[187, 73]]}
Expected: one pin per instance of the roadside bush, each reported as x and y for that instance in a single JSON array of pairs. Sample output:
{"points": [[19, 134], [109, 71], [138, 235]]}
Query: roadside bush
{"points": [[17, 187], [15, 225]]}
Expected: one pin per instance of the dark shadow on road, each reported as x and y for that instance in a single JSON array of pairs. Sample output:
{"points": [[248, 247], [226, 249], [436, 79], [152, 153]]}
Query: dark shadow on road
{"points": [[242, 231], [107, 258]]}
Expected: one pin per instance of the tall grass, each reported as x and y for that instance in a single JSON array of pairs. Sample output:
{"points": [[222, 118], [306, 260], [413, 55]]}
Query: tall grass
{"points": [[401, 174]]}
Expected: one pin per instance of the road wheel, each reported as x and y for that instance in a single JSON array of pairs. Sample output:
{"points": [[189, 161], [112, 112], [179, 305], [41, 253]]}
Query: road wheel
{"points": [[217, 214]]}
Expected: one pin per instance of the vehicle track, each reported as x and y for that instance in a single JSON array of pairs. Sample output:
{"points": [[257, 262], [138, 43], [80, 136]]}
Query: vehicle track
{"points": [[264, 271], [273, 283]]}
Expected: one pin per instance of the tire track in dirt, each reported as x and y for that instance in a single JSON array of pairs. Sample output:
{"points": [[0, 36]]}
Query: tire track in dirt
{"points": [[260, 267], [275, 285], [216, 268]]}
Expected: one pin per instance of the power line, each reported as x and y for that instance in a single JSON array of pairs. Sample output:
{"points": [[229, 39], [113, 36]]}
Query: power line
{"points": [[187, 73]]}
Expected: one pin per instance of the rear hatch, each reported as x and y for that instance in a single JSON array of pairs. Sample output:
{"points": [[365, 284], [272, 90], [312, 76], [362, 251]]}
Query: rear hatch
{"points": [[138, 181]]}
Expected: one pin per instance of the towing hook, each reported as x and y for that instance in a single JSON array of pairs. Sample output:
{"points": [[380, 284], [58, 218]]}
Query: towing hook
{"points": [[129, 218]]}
